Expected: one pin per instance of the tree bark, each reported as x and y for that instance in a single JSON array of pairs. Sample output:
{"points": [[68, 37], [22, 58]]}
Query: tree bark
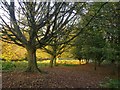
{"points": [[87, 61], [32, 63], [55, 64], [99, 64], [51, 62], [79, 61], [95, 65]]}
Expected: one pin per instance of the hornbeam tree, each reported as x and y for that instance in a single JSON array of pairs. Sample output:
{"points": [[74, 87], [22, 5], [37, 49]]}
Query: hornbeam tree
{"points": [[36, 25]]}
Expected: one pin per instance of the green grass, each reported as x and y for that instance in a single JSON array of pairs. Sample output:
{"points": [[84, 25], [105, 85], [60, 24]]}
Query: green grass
{"points": [[22, 65], [7, 65], [68, 65], [19, 65]]}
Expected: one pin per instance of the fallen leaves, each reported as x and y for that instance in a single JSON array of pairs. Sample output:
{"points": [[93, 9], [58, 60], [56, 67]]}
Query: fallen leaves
{"points": [[57, 77]]}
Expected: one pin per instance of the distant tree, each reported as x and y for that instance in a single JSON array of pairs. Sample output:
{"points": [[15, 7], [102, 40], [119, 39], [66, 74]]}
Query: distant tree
{"points": [[90, 38], [100, 40], [90, 45], [56, 50], [107, 22], [112, 29]]}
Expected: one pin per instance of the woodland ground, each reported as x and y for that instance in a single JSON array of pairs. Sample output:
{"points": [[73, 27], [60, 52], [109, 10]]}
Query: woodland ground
{"points": [[81, 76]]}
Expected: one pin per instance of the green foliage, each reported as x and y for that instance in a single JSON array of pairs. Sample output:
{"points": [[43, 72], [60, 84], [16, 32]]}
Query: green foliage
{"points": [[111, 83], [101, 38], [107, 21], [7, 65]]}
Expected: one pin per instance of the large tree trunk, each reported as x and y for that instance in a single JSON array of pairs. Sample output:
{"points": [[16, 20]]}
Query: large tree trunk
{"points": [[32, 63]]}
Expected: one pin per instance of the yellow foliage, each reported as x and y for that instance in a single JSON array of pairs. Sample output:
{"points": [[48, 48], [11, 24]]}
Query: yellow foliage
{"points": [[12, 51], [71, 62], [65, 61], [41, 54]]}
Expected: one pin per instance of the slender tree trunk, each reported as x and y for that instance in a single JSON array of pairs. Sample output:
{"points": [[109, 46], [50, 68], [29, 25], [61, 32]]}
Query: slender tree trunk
{"points": [[87, 61], [113, 66], [51, 62], [95, 65], [55, 64], [79, 61], [32, 63], [99, 63]]}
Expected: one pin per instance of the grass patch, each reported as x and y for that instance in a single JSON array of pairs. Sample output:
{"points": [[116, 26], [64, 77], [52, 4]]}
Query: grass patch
{"points": [[13, 65], [68, 65], [19, 65], [22, 65], [43, 63], [7, 65]]}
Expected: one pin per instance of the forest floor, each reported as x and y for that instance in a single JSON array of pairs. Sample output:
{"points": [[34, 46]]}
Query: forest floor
{"points": [[82, 76]]}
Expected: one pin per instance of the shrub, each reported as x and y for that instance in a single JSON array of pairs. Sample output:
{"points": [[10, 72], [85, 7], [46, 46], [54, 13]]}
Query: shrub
{"points": [[111, 83], [8, 65]]}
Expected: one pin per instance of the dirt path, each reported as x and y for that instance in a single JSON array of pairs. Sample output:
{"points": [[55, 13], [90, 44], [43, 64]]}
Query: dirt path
{"points": [[82, 76]]}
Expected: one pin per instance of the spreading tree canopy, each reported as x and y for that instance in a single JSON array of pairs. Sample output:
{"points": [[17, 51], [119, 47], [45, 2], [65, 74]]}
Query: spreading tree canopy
{"points": [[34, 25]]}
